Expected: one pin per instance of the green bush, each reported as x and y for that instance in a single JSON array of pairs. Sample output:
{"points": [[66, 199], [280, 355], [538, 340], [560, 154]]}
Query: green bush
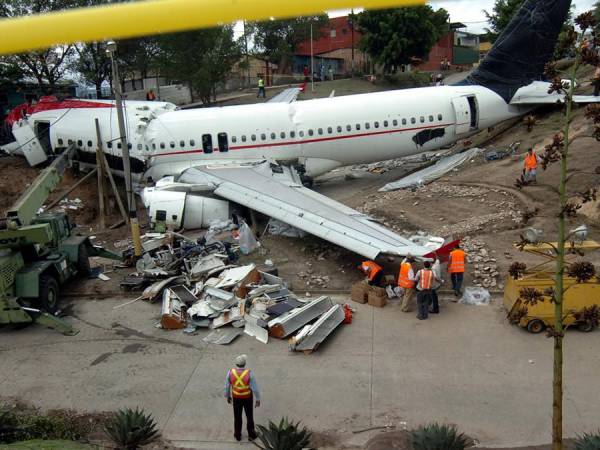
{"points": [[439, 437], [131, 429], [407, 80], [588, 442], [283, 436]]}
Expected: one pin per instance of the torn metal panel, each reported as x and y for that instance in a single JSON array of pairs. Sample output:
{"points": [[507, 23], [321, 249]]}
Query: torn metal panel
{"points": [[223, 337], [252, 329], [281, 196], [152, 292], [219, 293], [311, 336], [205, 265], [272, 279], [286, 325], [263, 289], [173, 314], [232, 277], [227, 317], [201, 310], [184, 294], [279, 309]]}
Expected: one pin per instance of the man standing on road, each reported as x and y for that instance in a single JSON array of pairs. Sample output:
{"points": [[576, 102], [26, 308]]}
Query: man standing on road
{"points": [[437, 282], [261, 87], [241, 389], [406, 281], [424, 279], [531, 163], [456, 268]]}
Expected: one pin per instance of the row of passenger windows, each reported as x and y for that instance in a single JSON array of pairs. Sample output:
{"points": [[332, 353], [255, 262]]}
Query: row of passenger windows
{"points": [[223, 142]]}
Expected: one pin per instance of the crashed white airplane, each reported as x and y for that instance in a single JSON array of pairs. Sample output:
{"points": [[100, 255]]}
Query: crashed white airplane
{"points": [[261, 155]]}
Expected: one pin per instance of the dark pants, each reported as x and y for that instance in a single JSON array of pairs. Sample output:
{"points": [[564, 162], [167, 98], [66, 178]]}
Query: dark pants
{"points": [[457, 279], [246, 404], [423, 300], [435, 306], [596, 84], [261, 92], [376, 281]]}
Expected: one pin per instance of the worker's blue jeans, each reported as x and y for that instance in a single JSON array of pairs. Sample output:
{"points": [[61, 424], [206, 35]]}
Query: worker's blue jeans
{"points": [[457, 279], [423, 302]]}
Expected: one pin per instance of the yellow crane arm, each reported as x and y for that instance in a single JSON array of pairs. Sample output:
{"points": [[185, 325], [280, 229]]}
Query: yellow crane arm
{"points": [[143, 18]]}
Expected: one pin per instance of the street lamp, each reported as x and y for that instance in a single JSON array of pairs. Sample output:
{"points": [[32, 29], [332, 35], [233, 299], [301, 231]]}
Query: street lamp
{"points": [[111, 47]]}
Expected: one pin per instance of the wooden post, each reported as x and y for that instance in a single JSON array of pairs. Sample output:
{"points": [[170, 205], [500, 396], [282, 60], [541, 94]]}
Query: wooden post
{"points": [[101, 186]]}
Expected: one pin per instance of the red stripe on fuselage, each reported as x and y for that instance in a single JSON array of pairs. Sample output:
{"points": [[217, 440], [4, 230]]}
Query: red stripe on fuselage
{"points": [[307, 141]]}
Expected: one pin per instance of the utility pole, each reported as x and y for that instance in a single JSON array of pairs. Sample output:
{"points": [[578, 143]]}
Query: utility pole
{"points": [[351, 23], [111, 47], [247, 57], [312, 63]]}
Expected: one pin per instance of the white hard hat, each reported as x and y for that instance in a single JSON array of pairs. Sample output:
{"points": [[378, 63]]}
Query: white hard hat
{"points": [[240, 360]]}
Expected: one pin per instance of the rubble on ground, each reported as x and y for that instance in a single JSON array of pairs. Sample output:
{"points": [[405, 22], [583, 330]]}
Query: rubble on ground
{"points": [[202, 288], [483, 263]]}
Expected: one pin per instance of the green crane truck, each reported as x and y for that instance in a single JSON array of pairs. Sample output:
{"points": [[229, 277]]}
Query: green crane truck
{"points": [[38, 253]]}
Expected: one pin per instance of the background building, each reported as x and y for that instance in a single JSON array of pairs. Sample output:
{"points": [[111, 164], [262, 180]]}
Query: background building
{"points": [[457, 47]]}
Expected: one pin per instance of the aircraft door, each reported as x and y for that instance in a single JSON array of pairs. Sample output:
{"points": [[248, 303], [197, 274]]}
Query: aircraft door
{"points": [[31, 146], [462, 110]]}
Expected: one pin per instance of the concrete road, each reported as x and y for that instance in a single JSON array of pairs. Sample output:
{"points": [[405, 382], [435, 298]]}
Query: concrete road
{"points": [[465, 366]]}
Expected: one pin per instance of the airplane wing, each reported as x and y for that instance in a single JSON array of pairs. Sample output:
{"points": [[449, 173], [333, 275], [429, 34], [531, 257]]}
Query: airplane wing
{"points": [[277, 191], [548, 100], [287, 96]]}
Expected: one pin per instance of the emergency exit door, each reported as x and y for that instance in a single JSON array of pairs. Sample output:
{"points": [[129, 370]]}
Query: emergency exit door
{"points": [[30, 145], [465, 109]]}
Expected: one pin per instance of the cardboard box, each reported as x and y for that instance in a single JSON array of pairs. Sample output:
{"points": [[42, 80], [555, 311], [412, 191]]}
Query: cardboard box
{"points": [[359, 292], [377, 296]]}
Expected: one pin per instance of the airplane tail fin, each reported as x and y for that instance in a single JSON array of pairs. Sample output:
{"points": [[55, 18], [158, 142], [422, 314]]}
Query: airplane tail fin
{"points": [[523, 48]]}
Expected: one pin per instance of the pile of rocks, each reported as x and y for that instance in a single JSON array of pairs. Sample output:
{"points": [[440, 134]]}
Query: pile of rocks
{"points": [[312, 280], [482, 263]]}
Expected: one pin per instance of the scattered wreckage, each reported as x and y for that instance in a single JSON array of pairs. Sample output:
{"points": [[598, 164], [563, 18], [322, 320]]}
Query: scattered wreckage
{"points": [[201, 288]]}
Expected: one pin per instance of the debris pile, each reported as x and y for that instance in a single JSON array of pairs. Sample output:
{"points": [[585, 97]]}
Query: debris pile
{"points": [[202, 288], [483, 265]]}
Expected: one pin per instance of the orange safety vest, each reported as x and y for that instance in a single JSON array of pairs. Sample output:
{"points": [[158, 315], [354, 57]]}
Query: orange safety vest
{"points": [[403, 280], [375, 269], [531, 161], [456, 263], [425, 279], [240, 383]]}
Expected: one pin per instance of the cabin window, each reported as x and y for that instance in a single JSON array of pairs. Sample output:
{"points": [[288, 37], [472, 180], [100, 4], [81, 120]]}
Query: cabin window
{"points": [[311, 132], [119, 144], [339, 129], [263, 137], [153, 146], [182, 144], [282, 135], [439, 117], [162, 145], [403, 121], [90, 143], [301, 133], [253, 137], [329, 130], [140, 147], [292, 134], [223, 142], [358, 126], [243, 138], [60, 141], [108, 144], [367, 126], [431, 118], [422, 119], [207, 145], [147, 148], [394, 122], [129, 146], [413, 120], [320, 130], [376, 124], [70, 141], [172, 144], [385, 123], [79, 143], [273, 136], [348, 127], [233, 139]]}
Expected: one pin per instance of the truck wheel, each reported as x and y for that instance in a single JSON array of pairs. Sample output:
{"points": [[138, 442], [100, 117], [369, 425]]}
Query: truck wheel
{"points": [[83, 261], [585, 325], [48, 299], [536, 326]]}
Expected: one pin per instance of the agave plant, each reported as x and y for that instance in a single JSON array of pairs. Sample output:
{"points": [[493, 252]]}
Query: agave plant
{"points": [[588, 441], [131, 429], [283, 436], [439, 437]]}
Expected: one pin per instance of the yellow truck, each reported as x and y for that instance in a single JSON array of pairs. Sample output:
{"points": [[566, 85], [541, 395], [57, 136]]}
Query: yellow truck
{"points": [[578, 299]]}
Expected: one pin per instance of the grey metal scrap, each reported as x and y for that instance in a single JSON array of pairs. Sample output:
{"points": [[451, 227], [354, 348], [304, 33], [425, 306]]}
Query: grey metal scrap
{"points": [[223, 337], [285, 325], [205, 265], [252, 329], [312, 335]]}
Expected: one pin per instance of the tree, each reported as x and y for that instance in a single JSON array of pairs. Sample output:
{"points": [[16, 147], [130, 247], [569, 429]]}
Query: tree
{"points": [[394, 37], [93, 64], [137, 56], [501, 15], [47, 65], [279, 39], [201, 59]]}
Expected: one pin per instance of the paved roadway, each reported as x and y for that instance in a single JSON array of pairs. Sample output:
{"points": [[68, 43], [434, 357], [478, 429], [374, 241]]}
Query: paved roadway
{"points": [[466, 366]]}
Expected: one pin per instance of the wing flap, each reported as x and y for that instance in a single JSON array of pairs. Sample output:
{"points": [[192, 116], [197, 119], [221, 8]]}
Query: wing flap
{"points": [[287, 96]]}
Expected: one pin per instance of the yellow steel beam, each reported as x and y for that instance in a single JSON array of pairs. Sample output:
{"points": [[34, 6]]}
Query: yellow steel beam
{"points": [[142, 18]]}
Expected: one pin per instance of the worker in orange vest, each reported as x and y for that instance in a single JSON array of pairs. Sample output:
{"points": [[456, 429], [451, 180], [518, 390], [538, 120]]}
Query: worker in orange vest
{"points": [[372, 271], [456, 267], [241, 390], [530, 166], [425, 280], [406, 281]]}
